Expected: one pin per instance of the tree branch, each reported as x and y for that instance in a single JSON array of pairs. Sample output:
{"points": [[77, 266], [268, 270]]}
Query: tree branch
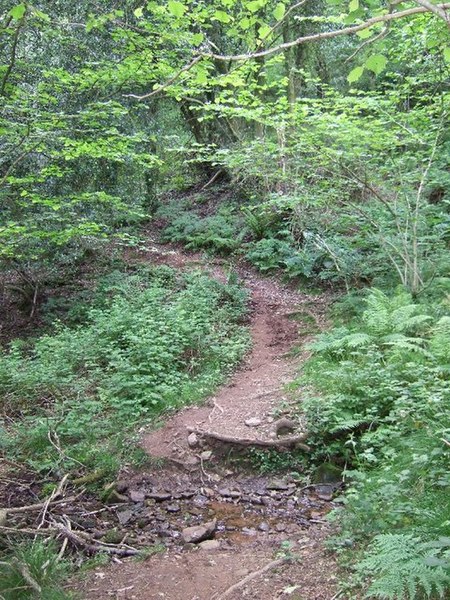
{"points": [[329, 34], [440, 11], [169, 82]]}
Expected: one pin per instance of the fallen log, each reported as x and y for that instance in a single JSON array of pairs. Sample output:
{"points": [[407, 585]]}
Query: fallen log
{"points": [[293, 441]]}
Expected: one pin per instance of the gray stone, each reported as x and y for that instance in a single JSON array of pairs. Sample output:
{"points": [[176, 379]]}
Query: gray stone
{"points": [[124, 516], [160, 496], [263, 527], [206, 455], [192, 440], [198, 533], [116, 498], [210, 545], [325, 492], [121, 487], [173, 508], [280, 527], [277, 484], [136, 496], [253, 422]]}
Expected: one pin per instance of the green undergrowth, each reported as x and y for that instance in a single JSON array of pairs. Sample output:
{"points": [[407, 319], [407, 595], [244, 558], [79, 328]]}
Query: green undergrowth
{"points": [[383, 415], [278, 234], [34, 571], [146, 343]]}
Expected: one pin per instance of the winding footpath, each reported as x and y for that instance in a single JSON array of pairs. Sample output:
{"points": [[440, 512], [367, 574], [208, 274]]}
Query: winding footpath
{"points": [[225, 533]]}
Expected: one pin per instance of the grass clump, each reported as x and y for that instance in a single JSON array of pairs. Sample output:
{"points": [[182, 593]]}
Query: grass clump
{"points": [[33, 570], [150, 342]]}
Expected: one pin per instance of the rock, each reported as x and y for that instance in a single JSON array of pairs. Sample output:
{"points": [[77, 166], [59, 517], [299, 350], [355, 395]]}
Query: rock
{"points": [[173, 508], [116, 498], [249, 531], [277, 484], [124, 516], [200, 501], [198, 533], [224, 492], [253, 422], [327, 473], [160, 496], [136, 496], [315, 514], [325, 492], [192, 440], [235, 494], [121, 486], [206, 455], [187, 494], [284, 426], [280, 527], [263, 527], [210, 545]]}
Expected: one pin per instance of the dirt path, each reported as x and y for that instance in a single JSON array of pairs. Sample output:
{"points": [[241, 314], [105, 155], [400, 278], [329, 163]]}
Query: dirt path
{"points": [[254, 520]]}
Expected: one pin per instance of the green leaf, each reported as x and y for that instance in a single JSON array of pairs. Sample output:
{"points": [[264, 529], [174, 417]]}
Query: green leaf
{"points": [[18, 11], [254, 5], [353, 5], [279, 11], [352, 16], [355, 74], [376, 63], [177, 9], [245, 23], [264, 31], [365, 33], [447, 54], [197, 38], [201, 76], [222, 16], [139, 12]]}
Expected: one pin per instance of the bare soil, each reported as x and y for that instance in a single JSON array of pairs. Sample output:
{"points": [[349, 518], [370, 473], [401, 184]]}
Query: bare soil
{"points": [[258, 518]]}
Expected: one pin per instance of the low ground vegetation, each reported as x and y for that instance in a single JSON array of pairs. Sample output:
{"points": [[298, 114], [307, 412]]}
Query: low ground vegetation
{"points": [[146, 343]]}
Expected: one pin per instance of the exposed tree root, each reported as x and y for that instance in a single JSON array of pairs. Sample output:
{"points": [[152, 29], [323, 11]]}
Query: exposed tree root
{"points": [[272, 565], [293, 441]]}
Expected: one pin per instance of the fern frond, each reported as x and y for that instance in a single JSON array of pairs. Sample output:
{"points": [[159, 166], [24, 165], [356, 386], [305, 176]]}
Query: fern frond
{"points": [[398, 565]]}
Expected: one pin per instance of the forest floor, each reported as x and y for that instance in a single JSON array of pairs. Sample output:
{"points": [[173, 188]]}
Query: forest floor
{"points": [[263, 536]]}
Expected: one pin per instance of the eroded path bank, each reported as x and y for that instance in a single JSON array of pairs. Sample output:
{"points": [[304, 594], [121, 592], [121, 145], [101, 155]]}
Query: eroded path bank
{"points": [[222, 532]]}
